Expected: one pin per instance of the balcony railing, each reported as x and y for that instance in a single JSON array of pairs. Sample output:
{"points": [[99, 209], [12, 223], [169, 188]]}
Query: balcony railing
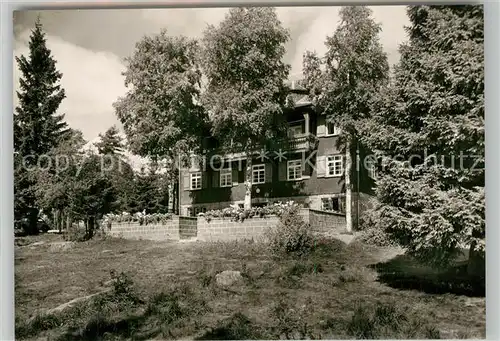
{"points": [[300, 142]]}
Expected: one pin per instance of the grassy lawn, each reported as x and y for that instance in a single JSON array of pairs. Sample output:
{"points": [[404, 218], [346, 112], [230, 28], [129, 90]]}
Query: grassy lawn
{"points": [[168, 291]]}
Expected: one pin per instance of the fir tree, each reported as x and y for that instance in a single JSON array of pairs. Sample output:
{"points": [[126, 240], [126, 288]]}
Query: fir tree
{"points": [[111, 143], [37, 126], [428, 132]]}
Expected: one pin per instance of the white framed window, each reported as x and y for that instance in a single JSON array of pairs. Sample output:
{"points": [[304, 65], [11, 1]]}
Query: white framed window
{"points": [[294, 170], [334, 165], [332, 129], [226, 177], [258, 174], [195, 181]]}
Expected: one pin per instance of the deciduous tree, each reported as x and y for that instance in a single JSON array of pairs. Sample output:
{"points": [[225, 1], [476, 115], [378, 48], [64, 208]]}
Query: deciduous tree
{"points": [[344, 82], [160, 113], [245, 94]]}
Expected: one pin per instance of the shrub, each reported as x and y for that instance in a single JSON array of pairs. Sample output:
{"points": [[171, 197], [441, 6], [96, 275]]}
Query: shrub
{"points": [[236, 327], [388, 321], [292, 235], [141, 218], [123, 287], [236, 213], [375, 236]]}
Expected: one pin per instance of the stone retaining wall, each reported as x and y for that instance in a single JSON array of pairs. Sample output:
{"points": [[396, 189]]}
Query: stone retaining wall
{"points": [[224, 229], [220, 229], [158, 231], [322, 221], [188, 227]]}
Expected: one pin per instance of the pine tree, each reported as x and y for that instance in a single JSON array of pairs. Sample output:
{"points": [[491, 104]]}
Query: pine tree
{"points": [[37, 126], [110, 143], [355, 69], [428, 132]]}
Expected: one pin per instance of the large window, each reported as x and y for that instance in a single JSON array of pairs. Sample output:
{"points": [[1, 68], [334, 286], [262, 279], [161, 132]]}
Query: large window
{"points": [[258, 174], [226, 178], [294, 170], [196, 180], [334, 165]]}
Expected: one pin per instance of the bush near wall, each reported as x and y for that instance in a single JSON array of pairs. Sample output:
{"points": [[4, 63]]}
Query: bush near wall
{"points": [[141, 218], [235, 213]]}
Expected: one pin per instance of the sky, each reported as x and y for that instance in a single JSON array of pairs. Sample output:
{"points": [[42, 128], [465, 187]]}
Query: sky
{"points": [[90, 47]]}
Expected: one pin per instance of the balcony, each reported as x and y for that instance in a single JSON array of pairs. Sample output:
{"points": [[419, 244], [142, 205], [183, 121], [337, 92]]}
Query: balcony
{"points": [[300, 142], [297, 143]]}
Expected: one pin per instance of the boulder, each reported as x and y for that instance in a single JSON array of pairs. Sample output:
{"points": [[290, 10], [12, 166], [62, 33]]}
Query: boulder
{"points": [[228, 278]]}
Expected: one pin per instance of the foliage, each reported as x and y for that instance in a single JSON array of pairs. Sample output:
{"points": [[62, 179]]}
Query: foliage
{"points": [[387, 321], [110, 142], [37, 126], [245, 93], [150, 192], [292, 235], [432, 202], [160, 112], [55, 184], [236, 213], [375, 236], [355, 67]]}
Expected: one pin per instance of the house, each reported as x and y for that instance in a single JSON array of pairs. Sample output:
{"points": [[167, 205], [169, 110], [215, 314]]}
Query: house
{"points": [[307, 167]]}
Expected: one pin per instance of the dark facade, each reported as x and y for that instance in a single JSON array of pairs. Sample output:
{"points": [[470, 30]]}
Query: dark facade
{"points": [[307, 167]]}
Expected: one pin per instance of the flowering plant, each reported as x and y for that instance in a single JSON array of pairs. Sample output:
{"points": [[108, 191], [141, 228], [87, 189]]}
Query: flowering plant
{"points": [[141, 217], [235, 213]]}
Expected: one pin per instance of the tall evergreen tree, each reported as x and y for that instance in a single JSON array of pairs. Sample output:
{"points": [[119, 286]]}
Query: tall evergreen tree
{"points": [[243, 62], [111, 143], [355, 69], [428, 132], [37, 126]]}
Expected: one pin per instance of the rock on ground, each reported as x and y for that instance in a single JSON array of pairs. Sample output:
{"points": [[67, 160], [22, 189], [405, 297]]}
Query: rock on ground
{"points": [[228, 278]]}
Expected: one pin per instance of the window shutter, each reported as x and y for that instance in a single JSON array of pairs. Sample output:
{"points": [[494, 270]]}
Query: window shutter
{"points": [[282, 171], [306, 168], [321, 129], [186, 181], [215, 179], [268, 172], [234, 176], [321, 166]]}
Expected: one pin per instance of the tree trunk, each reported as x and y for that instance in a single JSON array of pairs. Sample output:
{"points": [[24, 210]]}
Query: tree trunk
{"points": [[57, 219], [68, 221], [32, 227], [348, 186], [476, 265], [170, 198], [248, 183], [91, 227]]}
